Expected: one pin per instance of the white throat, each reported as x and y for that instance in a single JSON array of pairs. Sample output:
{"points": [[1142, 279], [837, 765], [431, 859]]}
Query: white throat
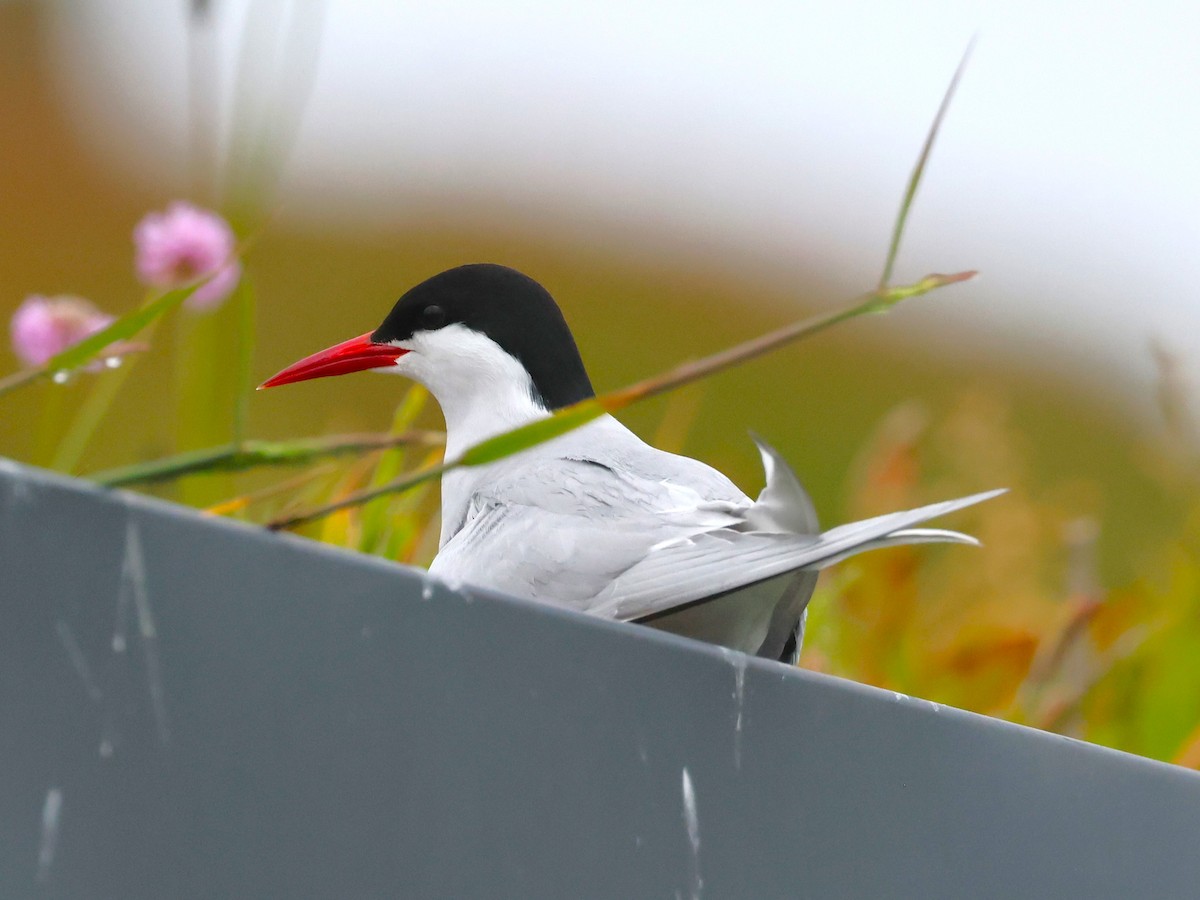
{"points": [[482, 390]]}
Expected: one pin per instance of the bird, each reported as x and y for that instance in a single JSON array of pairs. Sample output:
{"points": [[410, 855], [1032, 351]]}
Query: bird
{"points": [[596, 519]]}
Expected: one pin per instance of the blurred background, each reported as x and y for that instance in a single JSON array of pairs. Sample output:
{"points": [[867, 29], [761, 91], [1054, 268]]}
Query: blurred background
{"points": [[681, 177]]}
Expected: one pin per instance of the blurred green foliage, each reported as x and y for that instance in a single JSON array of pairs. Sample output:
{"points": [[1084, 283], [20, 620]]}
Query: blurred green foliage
{"points": [[1025, 629]]}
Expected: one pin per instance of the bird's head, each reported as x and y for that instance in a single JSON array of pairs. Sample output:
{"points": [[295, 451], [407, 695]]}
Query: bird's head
{"points": [[470, 335]]}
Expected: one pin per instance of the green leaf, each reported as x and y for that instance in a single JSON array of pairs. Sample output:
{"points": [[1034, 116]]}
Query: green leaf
{"points": [[532, 434], [122, 329]]}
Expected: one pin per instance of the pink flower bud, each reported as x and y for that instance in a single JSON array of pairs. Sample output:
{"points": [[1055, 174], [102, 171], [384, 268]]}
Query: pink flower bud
{"points": [[43, 327], [185, 243]]}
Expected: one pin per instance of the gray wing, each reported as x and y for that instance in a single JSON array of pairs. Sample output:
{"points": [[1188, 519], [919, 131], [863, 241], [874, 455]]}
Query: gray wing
{"points": [[561, 531], [698, 566]]}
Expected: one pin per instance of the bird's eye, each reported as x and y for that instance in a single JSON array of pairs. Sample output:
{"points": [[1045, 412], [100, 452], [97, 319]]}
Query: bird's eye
{"points": [[432, 317]]}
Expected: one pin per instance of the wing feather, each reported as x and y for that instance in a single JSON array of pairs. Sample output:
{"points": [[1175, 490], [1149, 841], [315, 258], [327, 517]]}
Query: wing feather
{"points": [[704, 565]]}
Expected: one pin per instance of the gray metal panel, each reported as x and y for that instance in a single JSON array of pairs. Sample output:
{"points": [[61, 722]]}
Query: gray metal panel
{"points": [[324, 731]]}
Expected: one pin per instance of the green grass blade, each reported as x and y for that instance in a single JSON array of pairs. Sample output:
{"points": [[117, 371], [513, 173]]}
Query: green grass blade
{"points": [[411, 480], [170, 468], [531, 435], [914, 180], [247, 304], [124, 328], [256, 454]]}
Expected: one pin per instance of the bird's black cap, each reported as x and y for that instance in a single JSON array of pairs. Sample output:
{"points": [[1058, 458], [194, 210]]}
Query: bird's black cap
{"points": [[510, 308]]}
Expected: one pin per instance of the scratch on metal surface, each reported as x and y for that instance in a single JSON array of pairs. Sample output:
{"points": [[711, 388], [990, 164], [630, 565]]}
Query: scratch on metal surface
{"points": [[78, 661], [48, 844], [738, 662], [108, 739], [124, 592], [426, 589], [108, 730], [691, 822], [133, 588]]}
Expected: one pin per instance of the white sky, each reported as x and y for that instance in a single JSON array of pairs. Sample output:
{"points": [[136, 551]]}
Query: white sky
{"points": [[1068, 170]]}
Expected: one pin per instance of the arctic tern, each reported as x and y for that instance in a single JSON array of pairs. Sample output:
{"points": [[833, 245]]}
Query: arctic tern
{"points": [[596, 519]]}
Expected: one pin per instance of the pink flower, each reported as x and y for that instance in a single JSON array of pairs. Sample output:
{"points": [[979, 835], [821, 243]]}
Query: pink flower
{"points": [[43, 327], [185, 243]]}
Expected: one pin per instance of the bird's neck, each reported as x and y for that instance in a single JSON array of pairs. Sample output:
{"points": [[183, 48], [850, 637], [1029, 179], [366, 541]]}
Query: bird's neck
{"points": [[475, 418], [469, 421]]}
